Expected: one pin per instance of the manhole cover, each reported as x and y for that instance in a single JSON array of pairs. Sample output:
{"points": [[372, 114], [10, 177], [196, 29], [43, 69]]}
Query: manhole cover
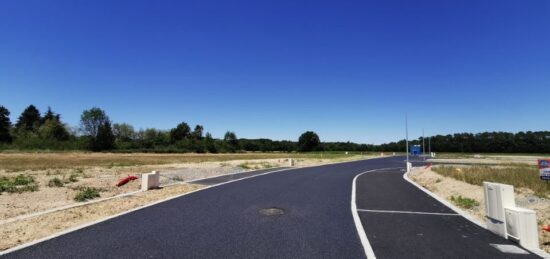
{"points": [[272, 211]]}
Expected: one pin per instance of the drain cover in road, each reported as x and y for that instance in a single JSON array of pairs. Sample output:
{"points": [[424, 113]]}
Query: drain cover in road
{"points": [[272, 211]]}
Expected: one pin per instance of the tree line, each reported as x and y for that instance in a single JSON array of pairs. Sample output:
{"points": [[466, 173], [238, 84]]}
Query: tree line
{"points": [[486, 142], [96, 132]]}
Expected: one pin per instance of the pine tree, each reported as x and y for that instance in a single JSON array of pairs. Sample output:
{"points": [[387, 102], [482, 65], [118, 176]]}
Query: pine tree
{"points": [[29, 120], [5, 125]]}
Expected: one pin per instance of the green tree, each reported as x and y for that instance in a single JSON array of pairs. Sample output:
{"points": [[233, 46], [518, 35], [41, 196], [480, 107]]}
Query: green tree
{"points": [[29, 120], [181, 132], [123, 132], [5, 125], [209, 143], [231, 142], [91, 120], [197, 133], [105, 139], [95, 124], [50, 115], [309, 141], [53, 129]]}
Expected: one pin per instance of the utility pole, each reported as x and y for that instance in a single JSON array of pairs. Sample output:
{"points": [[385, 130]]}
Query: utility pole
{"points": [[407, 137]]}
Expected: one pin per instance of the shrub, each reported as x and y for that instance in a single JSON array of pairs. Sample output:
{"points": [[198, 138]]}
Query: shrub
{"points": [[55, 182], [18, 184], [87, 193]]}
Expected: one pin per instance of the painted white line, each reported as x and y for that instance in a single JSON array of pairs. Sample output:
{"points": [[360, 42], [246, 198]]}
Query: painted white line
{"points": [[31, 243], [409, 212], [369, 252]]}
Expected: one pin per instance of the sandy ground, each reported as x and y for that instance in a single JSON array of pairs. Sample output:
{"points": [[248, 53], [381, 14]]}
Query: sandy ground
{"points": [[446, 187], [17, 228]]}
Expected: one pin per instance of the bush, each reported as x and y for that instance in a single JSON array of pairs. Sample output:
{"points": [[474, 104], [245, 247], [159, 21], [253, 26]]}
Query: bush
{"points": [[87, 193], [55, 182]]}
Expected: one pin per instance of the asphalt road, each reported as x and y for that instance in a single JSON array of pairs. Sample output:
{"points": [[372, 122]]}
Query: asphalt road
{"points": [[233, 177], [224, 221], [400, 219]]}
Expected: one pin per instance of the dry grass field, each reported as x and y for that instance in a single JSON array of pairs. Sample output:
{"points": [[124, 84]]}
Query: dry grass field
{"points": [[11, 162], [518, 175]]}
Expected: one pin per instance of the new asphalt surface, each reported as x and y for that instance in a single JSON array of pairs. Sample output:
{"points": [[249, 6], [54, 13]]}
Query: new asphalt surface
{"points": [[400, 220], [224, 221], [233, 177]]}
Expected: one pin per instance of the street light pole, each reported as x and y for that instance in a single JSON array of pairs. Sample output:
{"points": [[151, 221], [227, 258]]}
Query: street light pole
{"points": [[407, 138]]}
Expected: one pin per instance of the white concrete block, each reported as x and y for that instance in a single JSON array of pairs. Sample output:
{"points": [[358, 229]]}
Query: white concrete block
{"points": [[150, 181]]}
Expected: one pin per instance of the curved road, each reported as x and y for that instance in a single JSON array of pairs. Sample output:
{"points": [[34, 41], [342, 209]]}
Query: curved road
{"points": [[224, 222]]}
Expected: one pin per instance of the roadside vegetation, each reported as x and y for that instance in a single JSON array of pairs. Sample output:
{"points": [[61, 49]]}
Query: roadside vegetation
{"points": [[18, 184], [518, 175], [463, 202], [87, 193]]}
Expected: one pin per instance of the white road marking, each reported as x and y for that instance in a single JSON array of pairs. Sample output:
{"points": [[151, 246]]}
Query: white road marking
{"points": [[408, 212], [369, 252]]}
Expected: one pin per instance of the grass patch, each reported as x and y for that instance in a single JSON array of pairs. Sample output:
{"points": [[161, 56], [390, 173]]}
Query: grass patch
{"points": [[87, 193], [55, 182], [518, 175], [464, 202], [18, 184]]}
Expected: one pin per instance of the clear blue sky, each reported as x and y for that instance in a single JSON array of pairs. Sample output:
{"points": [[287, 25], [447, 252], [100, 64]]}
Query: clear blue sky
{"points": [[348, 70]]}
